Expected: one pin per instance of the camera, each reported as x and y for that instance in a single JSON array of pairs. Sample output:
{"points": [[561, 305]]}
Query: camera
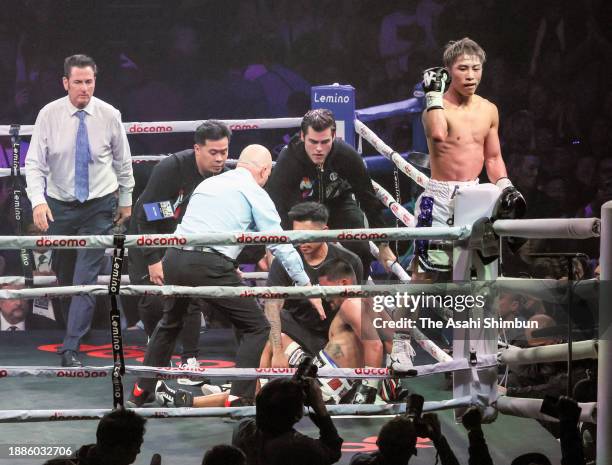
{"points": [[414, 410], [306, 369]]}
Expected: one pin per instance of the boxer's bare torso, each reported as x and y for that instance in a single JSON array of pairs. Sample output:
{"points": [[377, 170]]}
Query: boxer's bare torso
{"points": [[460, 156]]}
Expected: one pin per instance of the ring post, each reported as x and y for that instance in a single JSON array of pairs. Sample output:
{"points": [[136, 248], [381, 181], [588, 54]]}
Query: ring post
{"points": [[340, 99], [604, 373]]}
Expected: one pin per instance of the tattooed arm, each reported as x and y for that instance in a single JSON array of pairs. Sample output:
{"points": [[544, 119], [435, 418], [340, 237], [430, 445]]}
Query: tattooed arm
{"points": [[272, 310]]}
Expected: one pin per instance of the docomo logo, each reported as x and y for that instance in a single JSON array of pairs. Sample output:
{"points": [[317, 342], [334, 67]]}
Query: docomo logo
{"points": [[48, 242], [264, 294], [345, 236], [82, 374], [161, 241], [267, 239], [242, 127], [190, 370], [285, 371], [61, 416], [139, 128], [372, 371]]}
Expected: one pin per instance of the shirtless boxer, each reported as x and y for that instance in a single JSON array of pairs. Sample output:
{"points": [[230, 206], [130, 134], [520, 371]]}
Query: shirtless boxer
{"points": [[462, 136], [353, 342]]}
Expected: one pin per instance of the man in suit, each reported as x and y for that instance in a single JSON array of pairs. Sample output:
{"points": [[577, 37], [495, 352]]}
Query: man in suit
{"points": [[16, 315]]}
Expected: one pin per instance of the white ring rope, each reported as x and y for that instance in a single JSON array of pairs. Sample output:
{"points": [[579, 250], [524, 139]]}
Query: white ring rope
{"points": [[530, 408], [396, 208], [102, 279], [549, 228], [168, 127], [390, 154], [551, 353], [339, 411], [168, 373], [242, 238], [263, 292], [396, 268]]}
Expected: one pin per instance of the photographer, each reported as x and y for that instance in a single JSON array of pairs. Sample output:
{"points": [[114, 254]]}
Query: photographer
{"points": [[478, 450], [270, 437], [397, 439]]}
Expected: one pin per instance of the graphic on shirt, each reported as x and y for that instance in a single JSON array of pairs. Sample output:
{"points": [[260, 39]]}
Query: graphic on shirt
{"points": [[306, 188]]}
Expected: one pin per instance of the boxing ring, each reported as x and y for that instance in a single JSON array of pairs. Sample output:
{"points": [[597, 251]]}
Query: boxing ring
{"points": [[476, 356]]}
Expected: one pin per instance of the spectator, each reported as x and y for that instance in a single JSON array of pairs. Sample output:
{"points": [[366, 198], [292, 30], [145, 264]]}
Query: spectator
{"points": [[224, 455], [509, 308], [16, 315], [270, 438], [397, 442], [119, 437]]}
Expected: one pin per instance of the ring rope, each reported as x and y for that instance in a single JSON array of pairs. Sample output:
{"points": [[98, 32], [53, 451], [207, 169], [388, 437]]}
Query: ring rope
{"points": [[264, 292], [386, 151], [168, 127], [103, 279], [248, 238], [169, 373], [362, 411], [396, 208]]}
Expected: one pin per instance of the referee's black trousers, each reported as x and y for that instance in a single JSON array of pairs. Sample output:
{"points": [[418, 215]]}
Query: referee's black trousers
{"points": [[194, 268]]}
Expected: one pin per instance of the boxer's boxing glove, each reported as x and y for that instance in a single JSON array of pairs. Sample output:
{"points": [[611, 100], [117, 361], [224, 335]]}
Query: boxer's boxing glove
{"points": [[511, 204], [435, 82]]}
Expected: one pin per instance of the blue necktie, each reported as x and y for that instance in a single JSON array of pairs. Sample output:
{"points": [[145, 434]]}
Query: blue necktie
{"points": [[81, 162]]}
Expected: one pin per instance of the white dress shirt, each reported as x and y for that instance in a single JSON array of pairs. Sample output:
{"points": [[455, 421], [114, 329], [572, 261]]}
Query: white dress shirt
{"points": [[233, 202], [5, 325], [51, 156]]}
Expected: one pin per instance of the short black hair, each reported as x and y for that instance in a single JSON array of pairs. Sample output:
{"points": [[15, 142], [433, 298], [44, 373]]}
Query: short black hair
{"points": [[224, 454], [120, 427], [283, 392], [309, 211], [319, 120], [78, 61], [337, 269], [533, 458], [211, 129], [396, 439]]}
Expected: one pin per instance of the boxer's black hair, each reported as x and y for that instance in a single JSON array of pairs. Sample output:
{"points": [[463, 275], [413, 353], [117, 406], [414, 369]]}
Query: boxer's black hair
{"points": [[211, 129], [466, 46], [309, 211], [337, 269]]}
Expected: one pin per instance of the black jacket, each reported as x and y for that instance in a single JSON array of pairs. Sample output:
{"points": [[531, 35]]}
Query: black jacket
{"points": [[295, 179]]}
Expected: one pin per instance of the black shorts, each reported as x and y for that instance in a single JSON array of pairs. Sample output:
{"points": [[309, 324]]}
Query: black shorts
{"points": [[312, 341]]}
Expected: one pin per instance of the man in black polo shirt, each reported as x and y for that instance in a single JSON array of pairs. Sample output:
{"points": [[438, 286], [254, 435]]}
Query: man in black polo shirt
{"points": [[160, 208]]}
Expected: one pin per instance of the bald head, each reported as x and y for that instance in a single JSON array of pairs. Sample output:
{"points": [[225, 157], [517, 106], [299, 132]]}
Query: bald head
{"points": [[258, 160], [256, 155]]}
